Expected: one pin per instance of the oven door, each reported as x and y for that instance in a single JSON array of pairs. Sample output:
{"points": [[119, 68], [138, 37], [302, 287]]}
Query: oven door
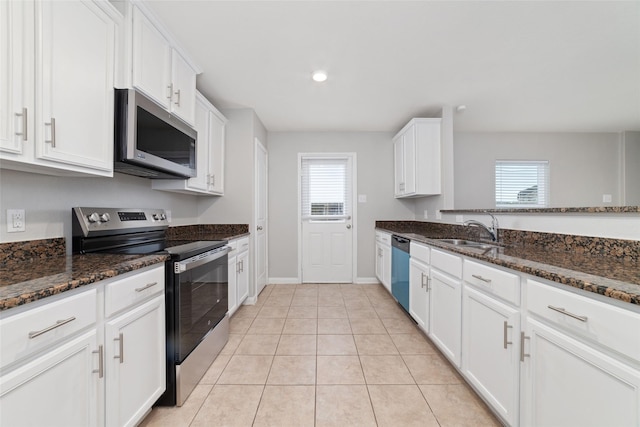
{"points": [[201, 299]]}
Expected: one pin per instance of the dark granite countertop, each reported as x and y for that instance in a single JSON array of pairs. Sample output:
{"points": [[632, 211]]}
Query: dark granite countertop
{"points": [[611, 276], [36, 269], [31, 280]]}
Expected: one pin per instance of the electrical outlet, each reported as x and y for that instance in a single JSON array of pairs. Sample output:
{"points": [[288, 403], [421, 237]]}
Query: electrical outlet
{"points": [[606, 198], [168, 214], [426, 214], [15, 220], [438, 215]]}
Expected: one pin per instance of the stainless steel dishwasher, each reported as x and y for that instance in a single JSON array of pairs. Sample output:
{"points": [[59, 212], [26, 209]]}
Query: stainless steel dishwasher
{"points": [[400, 270]]}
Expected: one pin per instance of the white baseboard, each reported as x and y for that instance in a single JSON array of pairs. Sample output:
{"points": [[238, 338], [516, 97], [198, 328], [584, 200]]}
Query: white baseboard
{"points": [[283, 281], [367, 281], [250, 301]]}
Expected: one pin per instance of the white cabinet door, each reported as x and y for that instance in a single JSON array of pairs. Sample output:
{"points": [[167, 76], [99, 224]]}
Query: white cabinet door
{"points": [[409, 155], [135, 362], [242, 263], [61, 388], [491, 351], [445, 315], [566, 383], [14, 109], [233, 284], [386, 266], [183, 100], [379, 264], [216, 152], [151, 60], [75, 58], [398, 159], [203, 144], [419, 293]]}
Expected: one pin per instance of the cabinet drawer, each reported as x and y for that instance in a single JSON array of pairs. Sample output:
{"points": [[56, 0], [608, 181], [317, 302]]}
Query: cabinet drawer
{"points": [[132, 289], [383, 237], [420, 252], [606, 324], [242, 244], [448, 263], [38, 329], [497, 282]]}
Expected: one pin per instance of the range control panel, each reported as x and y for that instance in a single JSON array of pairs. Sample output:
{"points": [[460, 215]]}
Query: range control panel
{"points": [[117, 220]]}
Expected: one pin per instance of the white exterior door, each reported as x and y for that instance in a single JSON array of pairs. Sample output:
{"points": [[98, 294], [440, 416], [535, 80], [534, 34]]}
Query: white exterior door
{"points": [[326, 210], [260, 262]]}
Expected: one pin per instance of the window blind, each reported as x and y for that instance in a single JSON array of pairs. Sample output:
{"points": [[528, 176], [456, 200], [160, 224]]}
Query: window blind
{"points": [[326, 188], [522, 183]]}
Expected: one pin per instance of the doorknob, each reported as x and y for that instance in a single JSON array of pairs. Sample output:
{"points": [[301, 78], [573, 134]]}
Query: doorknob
{"points": [[259, 227], [348, 226]]}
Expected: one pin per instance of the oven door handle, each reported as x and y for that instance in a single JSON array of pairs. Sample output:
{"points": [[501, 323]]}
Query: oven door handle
{"points": [[191, 263]]}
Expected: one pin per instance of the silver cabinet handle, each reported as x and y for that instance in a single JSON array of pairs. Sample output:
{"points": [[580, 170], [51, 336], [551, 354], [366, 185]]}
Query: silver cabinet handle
{"points": [[481, 278], [24, 124], [146, 287], [506, 328], [59, 323], [100, 370], [177, 92], [213, 179], [566, 313], [170, 91], [522, 353], [52, 141], [121, 342]]}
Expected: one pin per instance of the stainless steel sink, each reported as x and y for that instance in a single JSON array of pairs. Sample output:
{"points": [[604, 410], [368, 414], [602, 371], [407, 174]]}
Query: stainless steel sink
{"points": [[469, 243]]}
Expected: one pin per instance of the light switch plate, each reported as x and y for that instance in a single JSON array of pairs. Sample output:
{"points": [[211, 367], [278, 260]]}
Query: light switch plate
{"points": [[362, 198], [606, 198]]}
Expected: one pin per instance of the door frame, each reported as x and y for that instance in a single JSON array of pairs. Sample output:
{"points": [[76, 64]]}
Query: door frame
{"points": [[259, 146], [354, 204]]}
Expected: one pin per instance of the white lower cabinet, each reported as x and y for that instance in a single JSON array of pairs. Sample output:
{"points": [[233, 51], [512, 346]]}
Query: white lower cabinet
{"points": [[490, 351], [59, 388], [445, 315], [238, 273], [136, 361], [383, 259], [419, 285], [89, 357], [568, 383]]}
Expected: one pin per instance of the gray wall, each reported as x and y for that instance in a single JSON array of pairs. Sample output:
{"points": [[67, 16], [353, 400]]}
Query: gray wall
{"points": [[48, 201], [374, 157], [583, 166], [632, 168]]}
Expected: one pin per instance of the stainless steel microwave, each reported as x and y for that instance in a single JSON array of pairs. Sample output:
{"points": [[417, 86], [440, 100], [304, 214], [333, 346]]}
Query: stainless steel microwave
{"points": [[149, 141]]}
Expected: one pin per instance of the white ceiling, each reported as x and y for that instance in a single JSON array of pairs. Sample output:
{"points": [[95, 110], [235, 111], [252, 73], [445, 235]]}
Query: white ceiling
{"points": [[516, 65]]}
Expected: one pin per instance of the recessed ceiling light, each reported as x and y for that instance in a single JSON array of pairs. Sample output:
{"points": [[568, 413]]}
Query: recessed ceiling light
{"points": [[319, 76]]}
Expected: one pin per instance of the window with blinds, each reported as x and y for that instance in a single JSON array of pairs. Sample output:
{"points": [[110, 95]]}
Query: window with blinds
{"points": [[326, 188], [522, 184]]}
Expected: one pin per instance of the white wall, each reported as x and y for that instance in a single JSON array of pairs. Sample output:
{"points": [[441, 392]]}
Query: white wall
{"points": [[374, 156], [583, 166], [48, 201]]}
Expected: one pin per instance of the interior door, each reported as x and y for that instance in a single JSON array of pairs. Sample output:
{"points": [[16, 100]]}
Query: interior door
{"points": [[260, 262], [326, 210]]}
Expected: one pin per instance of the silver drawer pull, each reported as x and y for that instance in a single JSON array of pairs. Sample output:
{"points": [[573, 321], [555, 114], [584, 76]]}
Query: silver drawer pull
{"points": [[481, 278], [121, 342], [146, 287], [506, 328], [59, 323], [52, 141], [566, 313], [100, 353], [177, 102], [24, 124]]}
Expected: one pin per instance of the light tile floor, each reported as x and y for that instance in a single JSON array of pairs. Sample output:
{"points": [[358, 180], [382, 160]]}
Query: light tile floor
{"points": [[327, 355]]}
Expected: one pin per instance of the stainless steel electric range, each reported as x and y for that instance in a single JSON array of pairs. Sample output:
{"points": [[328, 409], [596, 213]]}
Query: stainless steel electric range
{"points": [[196, 278]]}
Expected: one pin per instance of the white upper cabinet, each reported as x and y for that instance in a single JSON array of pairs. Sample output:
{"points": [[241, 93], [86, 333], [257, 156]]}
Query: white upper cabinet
{"points": [[58, 64], [160, 70], [417, 158], [210, 125]]}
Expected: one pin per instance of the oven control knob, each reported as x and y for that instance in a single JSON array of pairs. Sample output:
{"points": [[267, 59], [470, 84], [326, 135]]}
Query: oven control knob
{"points": [[156, 217], [163, 217], [105, 217], [94, 217]]}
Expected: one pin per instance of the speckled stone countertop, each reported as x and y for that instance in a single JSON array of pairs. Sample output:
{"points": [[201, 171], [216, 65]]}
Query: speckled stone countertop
{"points": [[33, 270], [609, 267], [585, 210], [27, 281]]}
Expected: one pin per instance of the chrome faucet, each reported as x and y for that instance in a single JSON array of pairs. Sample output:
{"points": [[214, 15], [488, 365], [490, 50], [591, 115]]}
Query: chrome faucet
{"points": [[493, 230]]}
